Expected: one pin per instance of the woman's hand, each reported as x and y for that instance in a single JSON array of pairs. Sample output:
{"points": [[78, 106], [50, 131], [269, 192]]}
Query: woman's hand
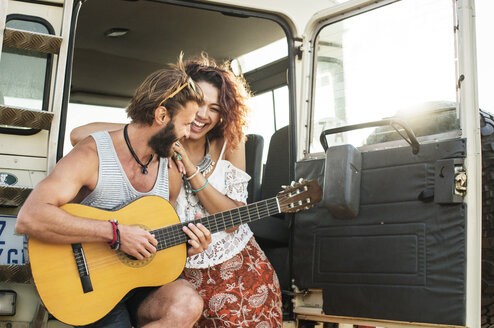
{"points": [[200, 237], [181, 158], [180, 165]]}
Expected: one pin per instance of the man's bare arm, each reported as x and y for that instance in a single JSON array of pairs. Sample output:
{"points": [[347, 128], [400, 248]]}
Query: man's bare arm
{"points": [[41, 217]]}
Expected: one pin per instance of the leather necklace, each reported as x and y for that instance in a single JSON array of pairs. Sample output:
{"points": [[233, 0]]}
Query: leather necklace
{"points": [[127, 141]]}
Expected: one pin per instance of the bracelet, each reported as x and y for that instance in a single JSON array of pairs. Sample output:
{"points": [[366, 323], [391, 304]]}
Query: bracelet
{"points": [[196, 190], [114, 227], [193, 174], [115, 243]]}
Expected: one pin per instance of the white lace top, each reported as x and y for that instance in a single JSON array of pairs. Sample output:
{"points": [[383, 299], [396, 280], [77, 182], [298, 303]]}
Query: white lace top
{"points": [[229, 181]]}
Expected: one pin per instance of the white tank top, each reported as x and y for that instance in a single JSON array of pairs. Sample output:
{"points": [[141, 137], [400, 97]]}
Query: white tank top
{"points": [[114, 190]]}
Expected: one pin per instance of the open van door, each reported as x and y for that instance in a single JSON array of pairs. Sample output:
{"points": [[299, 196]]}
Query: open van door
{"points": [[390, 128]]}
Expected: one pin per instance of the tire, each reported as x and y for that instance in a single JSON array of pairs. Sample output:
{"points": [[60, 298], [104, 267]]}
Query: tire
{"points": [[487, 139]]}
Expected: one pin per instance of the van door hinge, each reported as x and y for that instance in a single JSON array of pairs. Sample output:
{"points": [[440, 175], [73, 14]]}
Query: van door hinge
{"points": [[450, 185], [299, 51], [460, 181]]}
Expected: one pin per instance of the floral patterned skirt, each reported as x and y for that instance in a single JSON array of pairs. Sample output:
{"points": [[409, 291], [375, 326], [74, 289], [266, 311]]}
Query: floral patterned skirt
{"points": [[241, 292]]}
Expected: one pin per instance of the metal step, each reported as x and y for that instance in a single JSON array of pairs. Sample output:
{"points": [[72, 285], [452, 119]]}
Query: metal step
{"points": [[16, 273], [32, 41], [14, 195], [28, 118]]}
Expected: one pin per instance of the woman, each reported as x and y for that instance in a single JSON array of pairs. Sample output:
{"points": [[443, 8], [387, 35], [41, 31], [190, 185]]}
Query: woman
{"points": [[234, 277]]}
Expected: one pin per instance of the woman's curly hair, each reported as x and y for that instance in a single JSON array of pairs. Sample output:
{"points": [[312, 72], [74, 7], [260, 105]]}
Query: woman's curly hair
{"points": [[233, 95]]}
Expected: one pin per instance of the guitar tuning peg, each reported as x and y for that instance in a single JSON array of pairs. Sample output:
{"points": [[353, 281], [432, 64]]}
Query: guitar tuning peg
{"points": [[301, 180], [292, 184], [284, 187]]}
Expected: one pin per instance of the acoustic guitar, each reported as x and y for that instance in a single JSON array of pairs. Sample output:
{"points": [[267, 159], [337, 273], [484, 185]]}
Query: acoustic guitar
{"points": [[80, 283]]}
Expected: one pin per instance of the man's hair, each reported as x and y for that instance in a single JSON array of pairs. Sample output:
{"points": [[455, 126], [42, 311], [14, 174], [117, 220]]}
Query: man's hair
{"points": [[232, 93], [170, 87]]}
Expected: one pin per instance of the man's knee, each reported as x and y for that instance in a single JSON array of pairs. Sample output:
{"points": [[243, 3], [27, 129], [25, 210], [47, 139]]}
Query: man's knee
{"points": [[178, 302], [188, 305]]}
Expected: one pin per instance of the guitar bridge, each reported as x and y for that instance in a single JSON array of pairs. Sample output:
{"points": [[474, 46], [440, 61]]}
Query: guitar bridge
{"points": [[80, 260]]}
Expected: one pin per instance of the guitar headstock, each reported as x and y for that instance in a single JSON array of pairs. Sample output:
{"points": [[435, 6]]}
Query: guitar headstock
{"points": [[299, 195]]}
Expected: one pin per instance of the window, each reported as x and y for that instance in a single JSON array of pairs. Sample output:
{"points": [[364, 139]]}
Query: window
{"points": [[263, 56], [265, 70], [80, 114], [269, 113], [394, 61], [23, 73], [485, 53]]}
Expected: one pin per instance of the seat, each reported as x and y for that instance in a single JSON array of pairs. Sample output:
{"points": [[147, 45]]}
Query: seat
{"points": [[253, 165], [273, 230], [277, 169]]}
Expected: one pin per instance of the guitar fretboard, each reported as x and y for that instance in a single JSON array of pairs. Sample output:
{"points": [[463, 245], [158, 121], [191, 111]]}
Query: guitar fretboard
{"points": [[173, 235]]}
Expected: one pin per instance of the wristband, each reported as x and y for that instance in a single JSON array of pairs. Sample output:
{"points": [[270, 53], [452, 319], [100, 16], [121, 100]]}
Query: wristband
{"points": [[115, 243], [193, 174], [196, 190]]}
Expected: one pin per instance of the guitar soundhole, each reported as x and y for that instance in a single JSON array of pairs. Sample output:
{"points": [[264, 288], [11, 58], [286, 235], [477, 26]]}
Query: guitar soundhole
{"points": [[132, 261]]}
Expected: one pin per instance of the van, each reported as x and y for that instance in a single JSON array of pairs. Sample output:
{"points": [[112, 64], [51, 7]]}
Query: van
{"points": [[379, 101]]}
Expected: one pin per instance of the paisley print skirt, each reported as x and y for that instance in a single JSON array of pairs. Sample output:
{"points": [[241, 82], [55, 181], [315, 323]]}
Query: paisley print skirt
{"points": [[241, 292]]}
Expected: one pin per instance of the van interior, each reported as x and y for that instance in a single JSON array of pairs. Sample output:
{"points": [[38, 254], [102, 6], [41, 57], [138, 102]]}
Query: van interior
{"points": [[119, 42]]}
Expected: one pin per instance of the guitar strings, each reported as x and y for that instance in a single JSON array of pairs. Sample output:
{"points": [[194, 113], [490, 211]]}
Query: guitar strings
{"points": [[182, 238], [178, 236], [235, 216], [173, 235]]}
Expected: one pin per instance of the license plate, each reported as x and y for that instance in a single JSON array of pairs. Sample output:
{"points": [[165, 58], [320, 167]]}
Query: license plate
{"points": [[11, 244]]}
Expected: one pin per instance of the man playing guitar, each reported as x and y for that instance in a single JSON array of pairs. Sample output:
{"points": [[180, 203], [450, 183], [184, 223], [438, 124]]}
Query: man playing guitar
{"points": [[110, 170]]}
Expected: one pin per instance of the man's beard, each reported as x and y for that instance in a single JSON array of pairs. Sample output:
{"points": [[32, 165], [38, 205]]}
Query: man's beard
{"points": [[163, 140]]}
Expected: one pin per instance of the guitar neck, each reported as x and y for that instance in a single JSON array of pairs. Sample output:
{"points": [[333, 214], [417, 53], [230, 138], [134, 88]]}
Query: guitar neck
{"points": [[173, 235]]}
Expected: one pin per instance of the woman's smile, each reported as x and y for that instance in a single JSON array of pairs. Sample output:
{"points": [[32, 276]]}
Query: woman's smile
{"points": [[197, 126], [208, 115]]}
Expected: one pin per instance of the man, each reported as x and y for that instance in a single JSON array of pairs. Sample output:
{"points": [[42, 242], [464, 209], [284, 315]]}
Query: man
{"points": [[110, 170]]}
